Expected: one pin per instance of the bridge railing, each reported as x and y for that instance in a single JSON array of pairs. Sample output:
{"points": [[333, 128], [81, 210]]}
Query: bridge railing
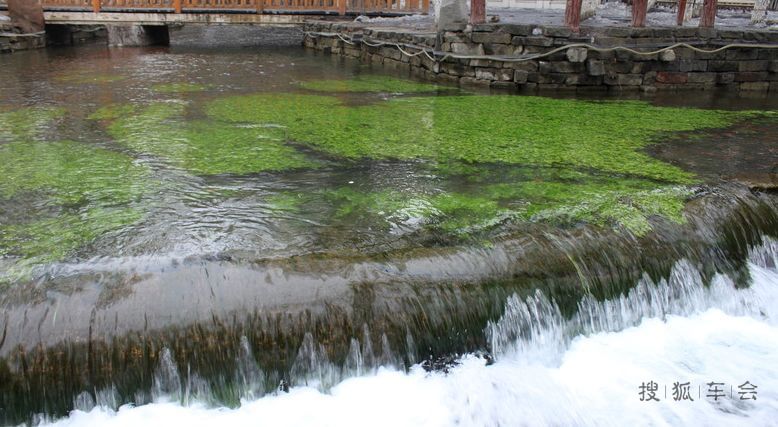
{"points": [[248, 6]]}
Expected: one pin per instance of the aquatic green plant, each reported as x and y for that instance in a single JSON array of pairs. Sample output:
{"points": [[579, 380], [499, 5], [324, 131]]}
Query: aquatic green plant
{"points": [[483, 198], [371, 84], [562, 160], [28, 123], [201, 147], [606, 136], [464, 133], [60, 195], [180, 87]]}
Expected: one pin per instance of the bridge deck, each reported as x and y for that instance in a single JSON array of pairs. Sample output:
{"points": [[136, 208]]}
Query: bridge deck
{"points": [[161, 18], [237, 7]]}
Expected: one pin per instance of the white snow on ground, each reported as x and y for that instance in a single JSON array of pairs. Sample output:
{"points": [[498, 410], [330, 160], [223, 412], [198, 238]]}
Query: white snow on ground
{"points": [[661, 16], [608, 14]]}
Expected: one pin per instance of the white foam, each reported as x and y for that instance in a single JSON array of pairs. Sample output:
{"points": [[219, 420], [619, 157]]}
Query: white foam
{"points": [[700, 335]]}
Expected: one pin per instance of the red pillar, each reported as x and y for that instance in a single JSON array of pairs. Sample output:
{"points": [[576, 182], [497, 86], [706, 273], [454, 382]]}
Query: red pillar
{"points": [[708, 17], [28, 15], [573, 14], [681, 12], [477, 11], [96, 6], [639, 8]]}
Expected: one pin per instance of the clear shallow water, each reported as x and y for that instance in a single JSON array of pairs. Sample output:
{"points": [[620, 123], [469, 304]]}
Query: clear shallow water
{"points": [[547, 374], [203, 226], [182, 154]]}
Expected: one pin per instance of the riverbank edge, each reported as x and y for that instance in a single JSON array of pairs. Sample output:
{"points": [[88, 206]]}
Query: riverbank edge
{"points": [[532, 58], [12, 39]]}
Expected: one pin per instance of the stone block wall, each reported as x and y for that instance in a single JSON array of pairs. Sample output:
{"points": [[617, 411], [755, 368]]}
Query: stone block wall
{"points": [[71, 35], [750, 68], [12, 39]]}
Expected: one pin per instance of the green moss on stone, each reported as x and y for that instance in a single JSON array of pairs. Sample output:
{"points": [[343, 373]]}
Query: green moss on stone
{"points": [[201, 147], [370, 84]]}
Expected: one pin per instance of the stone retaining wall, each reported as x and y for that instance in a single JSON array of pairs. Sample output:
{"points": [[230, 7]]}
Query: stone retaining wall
{"points": [[71, 35], [578, 68], [12, 39]]}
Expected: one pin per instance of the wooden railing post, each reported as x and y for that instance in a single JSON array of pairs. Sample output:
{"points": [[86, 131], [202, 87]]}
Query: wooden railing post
{"points": [[177, 6], [639, 9], [477, 11], [681, 12], [573, 14], [96, 6], [708, 17]]}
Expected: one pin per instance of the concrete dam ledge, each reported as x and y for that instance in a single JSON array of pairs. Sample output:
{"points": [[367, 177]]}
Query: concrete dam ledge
{"points": [[530, 57]]}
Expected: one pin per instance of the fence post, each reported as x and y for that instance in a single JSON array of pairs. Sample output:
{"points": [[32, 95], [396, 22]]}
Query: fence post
{"points": [[708, 17], [639, 9], [681, 12], [573, 14], [477, 11], [96, 6]]}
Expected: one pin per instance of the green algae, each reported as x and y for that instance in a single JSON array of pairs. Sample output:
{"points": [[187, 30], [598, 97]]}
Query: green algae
{"points": [[28, 123], [201, 147], [466, 211], [382, 84], [180, 87], [564, 161], [494, 159], [60, 195], [605, 136], [113, 111]]}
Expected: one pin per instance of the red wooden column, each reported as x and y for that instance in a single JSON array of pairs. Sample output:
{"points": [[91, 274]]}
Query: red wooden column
{"points": [[573, 14], [177, 6], [96, 6], [639, 9], [681, 12], [477, 11], [708, 17], [26, 14], [342, 7]]}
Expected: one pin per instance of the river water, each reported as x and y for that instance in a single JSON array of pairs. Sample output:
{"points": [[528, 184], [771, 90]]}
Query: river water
{"points": [[272, 236]]}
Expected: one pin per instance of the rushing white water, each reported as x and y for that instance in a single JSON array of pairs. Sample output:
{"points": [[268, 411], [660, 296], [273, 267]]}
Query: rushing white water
{"points": [[555, 371]]}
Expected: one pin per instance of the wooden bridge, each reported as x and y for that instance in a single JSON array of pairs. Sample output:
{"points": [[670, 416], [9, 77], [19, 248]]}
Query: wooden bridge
{"points": [[341, 7], [162, 12]]}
